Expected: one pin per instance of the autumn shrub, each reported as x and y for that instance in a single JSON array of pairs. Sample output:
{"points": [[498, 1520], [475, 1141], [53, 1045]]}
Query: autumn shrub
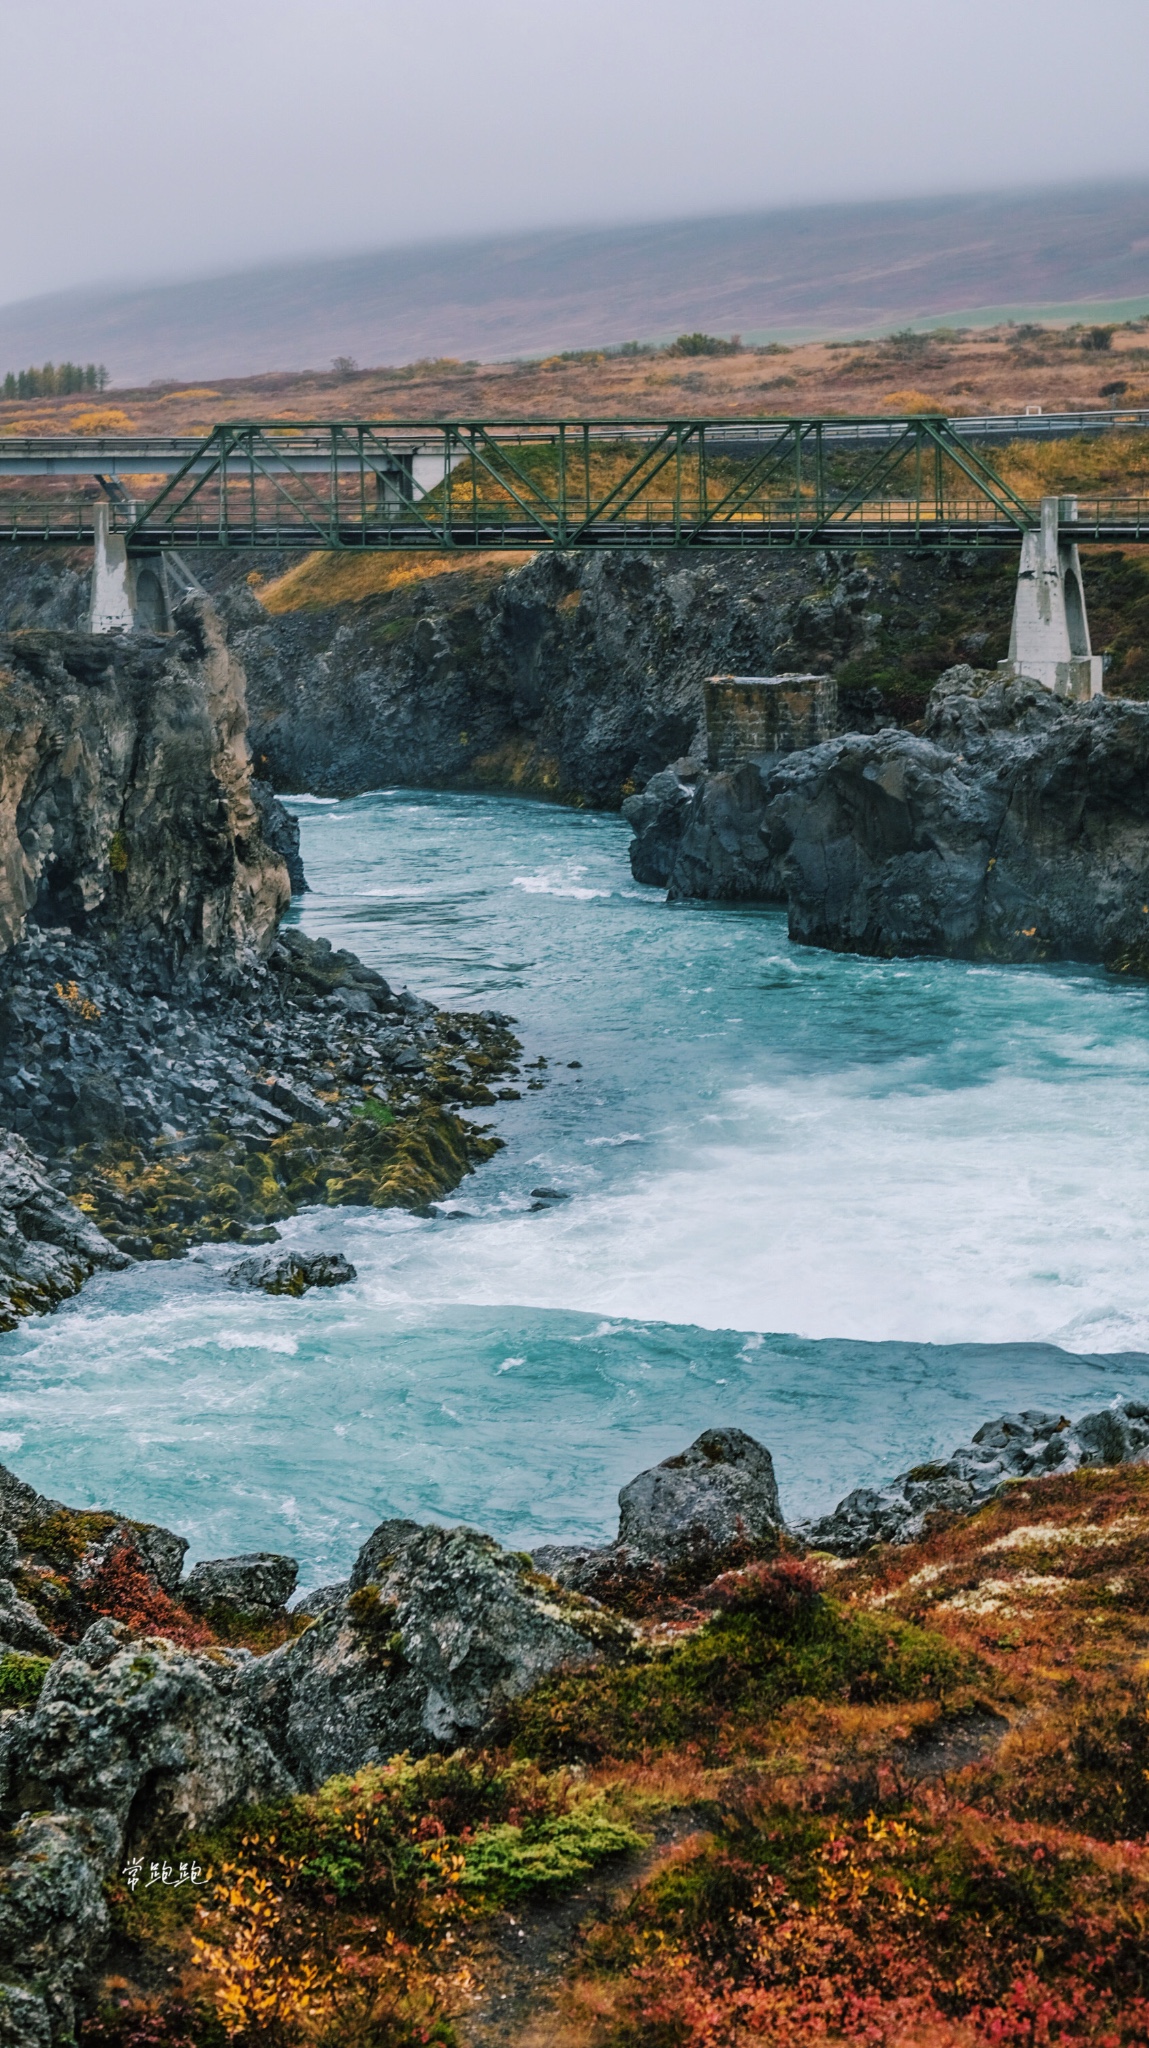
{"points": [[724, 1683], [1085, 1767], [125, 2020], [865, 1930], [120, 1587], [327, 1914]]}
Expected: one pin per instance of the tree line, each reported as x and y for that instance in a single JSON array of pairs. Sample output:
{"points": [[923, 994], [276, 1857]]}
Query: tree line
{"points": [[55, 380]]}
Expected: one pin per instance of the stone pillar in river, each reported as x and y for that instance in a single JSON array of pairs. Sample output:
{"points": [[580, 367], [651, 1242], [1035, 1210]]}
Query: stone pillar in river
{"points": [[751, 715], [1049, 642]]}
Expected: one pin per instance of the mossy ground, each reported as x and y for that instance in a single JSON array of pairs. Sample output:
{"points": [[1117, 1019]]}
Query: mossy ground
{"points": [[216, 1186], [852, 1874]]}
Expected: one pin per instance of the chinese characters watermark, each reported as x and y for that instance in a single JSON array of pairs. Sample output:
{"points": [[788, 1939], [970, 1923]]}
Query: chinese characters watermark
{"points": [[162, 1873]]}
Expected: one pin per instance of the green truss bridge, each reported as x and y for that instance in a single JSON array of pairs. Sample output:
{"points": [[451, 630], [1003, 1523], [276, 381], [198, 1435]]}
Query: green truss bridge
{"points": [[438, 486]]}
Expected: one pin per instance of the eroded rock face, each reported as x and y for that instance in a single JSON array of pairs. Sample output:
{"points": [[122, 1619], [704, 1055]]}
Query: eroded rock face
{"points": [[48, 1248], [1013, 827], [130, 1744], [126, 807], [142, 1731], [53, 1921], [712, 1506], [280, 829], [569, 674], [421, 1656], [1030, 1445]]}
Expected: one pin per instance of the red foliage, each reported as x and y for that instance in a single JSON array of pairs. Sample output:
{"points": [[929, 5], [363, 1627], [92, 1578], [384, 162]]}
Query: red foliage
{"points": [[780, 1589], [120, 1587]]}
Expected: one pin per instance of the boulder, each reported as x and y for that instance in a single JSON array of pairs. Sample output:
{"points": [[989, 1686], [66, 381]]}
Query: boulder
{"points": [[259, 1584], [421, 1657], [700, 1512], [143, 1731], [292, 1272], [716, 1496], [1031, 1444]]}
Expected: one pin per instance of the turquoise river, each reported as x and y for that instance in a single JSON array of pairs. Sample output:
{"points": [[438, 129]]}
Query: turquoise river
{"points": [[853, 1206]]}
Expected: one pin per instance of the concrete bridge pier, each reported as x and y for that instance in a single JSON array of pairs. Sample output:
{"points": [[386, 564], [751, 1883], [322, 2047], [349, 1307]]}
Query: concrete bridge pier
{"points": [[132, 593], [1049, 640]]}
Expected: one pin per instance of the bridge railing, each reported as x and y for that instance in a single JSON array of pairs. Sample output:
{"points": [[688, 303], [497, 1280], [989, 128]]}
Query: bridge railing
{"points": [[651, 523]]}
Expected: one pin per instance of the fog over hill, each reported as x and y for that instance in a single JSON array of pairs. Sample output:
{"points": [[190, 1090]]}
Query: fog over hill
{"points": [[813, 269]]}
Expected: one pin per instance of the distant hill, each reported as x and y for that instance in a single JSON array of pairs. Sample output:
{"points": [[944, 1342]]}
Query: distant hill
{"points": [[805, 270]]}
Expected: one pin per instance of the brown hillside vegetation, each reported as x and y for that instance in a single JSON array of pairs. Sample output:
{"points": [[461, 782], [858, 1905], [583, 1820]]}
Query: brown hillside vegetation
{"points": [[1000, 369], [900, 1801]]}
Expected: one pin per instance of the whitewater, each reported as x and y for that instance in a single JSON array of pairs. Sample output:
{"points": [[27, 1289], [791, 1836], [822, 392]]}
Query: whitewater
{"points": [[852, 1206]]}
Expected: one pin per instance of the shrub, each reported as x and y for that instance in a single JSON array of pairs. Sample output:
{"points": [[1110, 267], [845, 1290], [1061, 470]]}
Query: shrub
{"points": [[120, 1587], [21, 1678], [719, 1689], [506, 1863], [698, 344]]}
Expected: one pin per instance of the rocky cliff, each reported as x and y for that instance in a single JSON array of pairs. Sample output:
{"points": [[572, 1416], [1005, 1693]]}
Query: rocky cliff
{"points": [[126, 808], [1012, 827], [576, 676]]}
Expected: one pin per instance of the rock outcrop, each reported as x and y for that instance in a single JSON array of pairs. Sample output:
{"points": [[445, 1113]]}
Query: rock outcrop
{"points": [[420, 1655], [129, 1742], [172, 1121], [1014, 826], [48, 1248], [126, 809], [74, 1541], [707, 1509], [1030, 1445]]}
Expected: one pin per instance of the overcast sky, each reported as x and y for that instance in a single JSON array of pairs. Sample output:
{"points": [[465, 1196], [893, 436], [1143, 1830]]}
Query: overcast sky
{"points": [[144, 139]]}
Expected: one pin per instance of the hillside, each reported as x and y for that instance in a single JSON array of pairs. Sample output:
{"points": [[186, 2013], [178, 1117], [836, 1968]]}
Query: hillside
{"points": [[829, 269], [979, 369]]}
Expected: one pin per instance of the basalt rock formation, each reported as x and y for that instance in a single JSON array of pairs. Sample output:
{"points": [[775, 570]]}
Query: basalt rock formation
{"points": [[1012, 827], [126, 809], [48, 1248], [570, 676], [188, 1072]]}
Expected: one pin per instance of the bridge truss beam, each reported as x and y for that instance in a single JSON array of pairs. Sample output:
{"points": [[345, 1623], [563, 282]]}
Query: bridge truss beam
{"points": [[466, 485]]}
